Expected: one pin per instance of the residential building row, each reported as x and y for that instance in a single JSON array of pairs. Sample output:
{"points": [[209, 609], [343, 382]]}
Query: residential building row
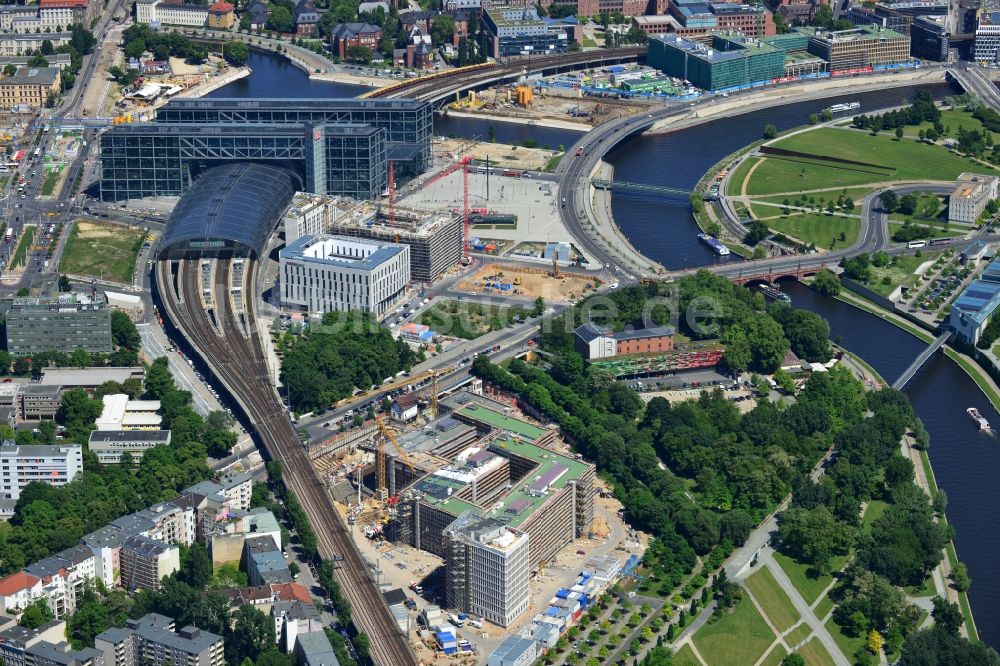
{"points": [[48, 16], [134, 551]]}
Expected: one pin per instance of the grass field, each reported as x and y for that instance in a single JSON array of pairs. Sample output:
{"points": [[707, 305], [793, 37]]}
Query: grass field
{"points": [[776, 604], [855, 193], [895, 160], [685, 657], [740, 174], [715, 641], [815, 654], [823, 607], [809, 583], [822, 230], [21, 251], [848, 644], [798, 634], [49, 184], [774, 657], [102, 250], [899, 272], [468, 320], [936, 229], [874, 511], [954, 119]]}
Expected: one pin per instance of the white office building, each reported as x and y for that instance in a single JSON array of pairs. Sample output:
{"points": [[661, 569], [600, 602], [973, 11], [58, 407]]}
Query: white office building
{"points": [[969, 198], [309, 215], [487, 569], [20, 465], [336, 273], [155, 12]]}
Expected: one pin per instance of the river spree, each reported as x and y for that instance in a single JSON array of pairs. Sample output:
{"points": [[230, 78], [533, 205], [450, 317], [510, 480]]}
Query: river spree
{"points": [[274, 76], [966, 462]]}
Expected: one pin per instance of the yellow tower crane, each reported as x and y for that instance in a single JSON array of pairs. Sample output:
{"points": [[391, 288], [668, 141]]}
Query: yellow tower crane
{"points": [[382, 491]]}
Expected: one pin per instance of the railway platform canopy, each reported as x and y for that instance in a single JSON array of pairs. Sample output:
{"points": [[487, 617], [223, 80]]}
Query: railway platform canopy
{"points": [[230, 211]]}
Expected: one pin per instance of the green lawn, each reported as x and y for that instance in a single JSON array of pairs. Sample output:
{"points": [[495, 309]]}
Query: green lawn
{"points": [[686, 657], [848, 644], [772, 599], [822, 230], [740, 175], [953, 118], [469, 320], [925, 589], [798, 634], [815, 654], [874, 511], [715, 640], [855, 193], [102, 250], [936, 230], [50, 182], [774, 657], [894, 160], [930, 209], [824, 606], [21, 251], [899, 272], [809, 583]]}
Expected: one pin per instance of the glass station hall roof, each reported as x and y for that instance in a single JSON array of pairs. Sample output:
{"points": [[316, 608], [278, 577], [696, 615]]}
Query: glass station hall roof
{"points": [[235, 202]]}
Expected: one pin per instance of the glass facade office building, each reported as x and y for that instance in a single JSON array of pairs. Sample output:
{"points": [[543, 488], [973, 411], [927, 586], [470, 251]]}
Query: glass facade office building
{"points": [[338, 146]]}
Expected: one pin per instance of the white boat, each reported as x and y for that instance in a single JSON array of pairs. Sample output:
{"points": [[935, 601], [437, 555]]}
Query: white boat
{"points": [[978, 418], [849, 106]]}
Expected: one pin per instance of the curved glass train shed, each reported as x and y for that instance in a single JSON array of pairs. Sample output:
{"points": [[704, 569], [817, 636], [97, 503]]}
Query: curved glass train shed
{"points": [[229, 211]]}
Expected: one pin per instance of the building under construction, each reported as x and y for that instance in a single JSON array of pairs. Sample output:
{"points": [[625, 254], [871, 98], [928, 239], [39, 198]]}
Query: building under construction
{"points": [[498, 467], [435, 239]]}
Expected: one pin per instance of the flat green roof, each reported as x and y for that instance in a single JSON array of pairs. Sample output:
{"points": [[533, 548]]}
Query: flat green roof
{"points": [[520, 503], [501, 421]]}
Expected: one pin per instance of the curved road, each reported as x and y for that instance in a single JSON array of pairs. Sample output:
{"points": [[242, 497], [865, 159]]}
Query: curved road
{"points": [[574, 188]]}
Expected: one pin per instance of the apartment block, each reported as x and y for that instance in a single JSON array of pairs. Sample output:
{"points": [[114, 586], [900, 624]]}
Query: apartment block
{"points": [[153, 641], [145, 562], [56, 465]]}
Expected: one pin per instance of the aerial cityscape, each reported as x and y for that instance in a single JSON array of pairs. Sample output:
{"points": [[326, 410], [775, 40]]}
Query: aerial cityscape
{"points": [[499, 332]]}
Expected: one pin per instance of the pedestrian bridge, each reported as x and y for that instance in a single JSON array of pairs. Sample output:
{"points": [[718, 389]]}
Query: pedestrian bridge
{"points": [[920, 360], [624, 186]]}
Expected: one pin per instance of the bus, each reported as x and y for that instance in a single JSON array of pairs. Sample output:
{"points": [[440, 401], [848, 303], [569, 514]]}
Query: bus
{"points": [[38, 152], [941, 241], [916, 243]]}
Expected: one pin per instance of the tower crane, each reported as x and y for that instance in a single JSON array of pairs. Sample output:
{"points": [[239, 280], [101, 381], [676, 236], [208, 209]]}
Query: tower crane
{"points": [[382, 491]]}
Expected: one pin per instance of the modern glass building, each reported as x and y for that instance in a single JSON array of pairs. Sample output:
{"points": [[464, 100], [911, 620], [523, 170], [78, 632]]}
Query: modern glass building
{"points": [[337, 146], [731, 61], [408, 124]]}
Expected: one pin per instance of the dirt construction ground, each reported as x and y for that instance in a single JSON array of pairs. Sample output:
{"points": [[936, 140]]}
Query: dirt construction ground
{"points": [[534, 283]]}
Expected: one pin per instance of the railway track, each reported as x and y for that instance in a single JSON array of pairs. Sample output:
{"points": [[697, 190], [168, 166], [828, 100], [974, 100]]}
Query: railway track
{"points": [[432, 90], [238, 362]]}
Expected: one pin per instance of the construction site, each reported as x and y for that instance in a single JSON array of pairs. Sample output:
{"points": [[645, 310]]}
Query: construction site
{"points": [[411, 493], [554, 283], [550, 101]]}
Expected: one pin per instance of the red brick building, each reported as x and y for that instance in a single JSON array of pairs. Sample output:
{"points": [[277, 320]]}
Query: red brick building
{"points": [[346, 35], [594, 342]]}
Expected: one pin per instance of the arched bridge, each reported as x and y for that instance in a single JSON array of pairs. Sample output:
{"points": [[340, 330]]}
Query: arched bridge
{"points": [[767, 273]]}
